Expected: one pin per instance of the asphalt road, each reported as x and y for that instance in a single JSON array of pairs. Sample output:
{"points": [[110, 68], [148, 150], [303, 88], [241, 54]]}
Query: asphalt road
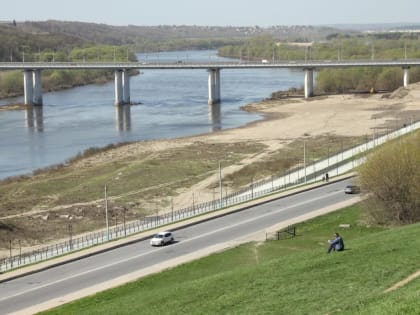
{"points": [[56, 282]]}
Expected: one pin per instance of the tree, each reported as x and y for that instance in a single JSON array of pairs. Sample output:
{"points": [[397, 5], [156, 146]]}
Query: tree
{"points": [[391, 177]]}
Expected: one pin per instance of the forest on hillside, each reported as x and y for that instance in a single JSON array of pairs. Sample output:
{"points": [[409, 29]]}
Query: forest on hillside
{"points": [[29, 38], [377, 46]]}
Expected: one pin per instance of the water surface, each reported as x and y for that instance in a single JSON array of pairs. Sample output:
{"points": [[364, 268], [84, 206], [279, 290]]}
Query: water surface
{"points": [[173, 104]]}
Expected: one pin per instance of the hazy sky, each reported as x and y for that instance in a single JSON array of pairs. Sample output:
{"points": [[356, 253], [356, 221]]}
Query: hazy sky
{"points": [[214, 12]]}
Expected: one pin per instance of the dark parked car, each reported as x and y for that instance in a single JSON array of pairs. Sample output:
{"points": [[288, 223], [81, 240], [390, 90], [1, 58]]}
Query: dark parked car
{"points": [[352, 189]]}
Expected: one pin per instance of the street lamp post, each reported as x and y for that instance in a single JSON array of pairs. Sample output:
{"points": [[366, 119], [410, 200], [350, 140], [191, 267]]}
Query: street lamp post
{"points": [[304, 159], [273, 52], [10, 248], [373, 52], [172, 209], [220, 185], [20, 252], [70, 227], [124, 211], [106, 214]]}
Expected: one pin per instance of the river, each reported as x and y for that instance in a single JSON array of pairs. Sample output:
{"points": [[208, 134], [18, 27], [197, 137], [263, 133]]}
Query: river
{"points": [[173, 104]]}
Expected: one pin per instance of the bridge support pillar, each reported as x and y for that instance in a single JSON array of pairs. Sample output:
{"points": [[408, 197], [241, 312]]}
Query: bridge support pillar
{"points": [[214, 86], [123, 117], [118, 87], [32, 85], [28, 87], [37, 87], [309, 83], [126, 86], [406, 77]]}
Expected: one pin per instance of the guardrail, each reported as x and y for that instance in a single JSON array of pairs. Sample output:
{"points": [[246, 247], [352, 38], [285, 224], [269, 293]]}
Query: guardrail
{"points": [[299, 64], [335, 165]]}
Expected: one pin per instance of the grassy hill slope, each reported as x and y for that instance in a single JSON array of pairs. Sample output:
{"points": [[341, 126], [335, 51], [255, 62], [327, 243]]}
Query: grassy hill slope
{"points": [[294, 276]]}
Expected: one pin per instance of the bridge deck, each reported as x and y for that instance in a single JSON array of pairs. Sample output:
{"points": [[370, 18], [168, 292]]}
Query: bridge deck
{"points": [[404, 63]]}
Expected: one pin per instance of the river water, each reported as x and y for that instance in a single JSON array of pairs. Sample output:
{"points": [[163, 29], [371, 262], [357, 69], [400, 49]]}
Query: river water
{"points": [[173, 104]]}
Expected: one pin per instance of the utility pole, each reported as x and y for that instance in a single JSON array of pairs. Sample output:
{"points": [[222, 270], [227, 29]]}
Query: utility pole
{"points": [[172, 209], [304, 159], [10, 248], [70, 227], [124, 211], [220, 185], [106, 214], [273, 52], [373, 52]]}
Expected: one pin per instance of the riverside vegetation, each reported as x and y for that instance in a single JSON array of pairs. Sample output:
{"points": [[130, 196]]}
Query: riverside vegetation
{"points": [[386, 46]]}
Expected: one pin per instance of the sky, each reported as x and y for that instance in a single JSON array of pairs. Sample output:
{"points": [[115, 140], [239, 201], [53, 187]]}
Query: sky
{"points": [[214, 12]]}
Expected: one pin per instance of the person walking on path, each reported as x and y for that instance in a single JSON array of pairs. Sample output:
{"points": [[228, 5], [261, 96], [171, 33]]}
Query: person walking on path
{"points": [[337, 244]]}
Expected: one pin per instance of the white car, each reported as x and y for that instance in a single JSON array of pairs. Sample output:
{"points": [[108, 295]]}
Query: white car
{"points": [[162, 238]]}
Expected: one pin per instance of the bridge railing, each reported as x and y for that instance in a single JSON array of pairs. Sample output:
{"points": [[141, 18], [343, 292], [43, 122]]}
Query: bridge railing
{"points": [[187, 64]]}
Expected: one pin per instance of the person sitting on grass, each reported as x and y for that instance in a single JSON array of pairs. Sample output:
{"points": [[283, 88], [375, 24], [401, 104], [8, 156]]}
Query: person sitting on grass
{"points": [[336, 244]]}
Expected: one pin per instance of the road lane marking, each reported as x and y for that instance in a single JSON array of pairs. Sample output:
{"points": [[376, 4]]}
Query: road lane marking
{"points": [[155, 250]]}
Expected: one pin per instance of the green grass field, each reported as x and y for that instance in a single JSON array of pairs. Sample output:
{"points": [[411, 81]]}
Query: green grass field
{"points": [[293, 276]]}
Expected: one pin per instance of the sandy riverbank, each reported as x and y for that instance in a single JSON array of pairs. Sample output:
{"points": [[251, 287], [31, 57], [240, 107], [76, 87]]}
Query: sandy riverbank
{"points": [[290, 119]]}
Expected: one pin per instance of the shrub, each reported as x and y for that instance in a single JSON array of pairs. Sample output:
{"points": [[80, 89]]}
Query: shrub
{"points": [[391, 176]]}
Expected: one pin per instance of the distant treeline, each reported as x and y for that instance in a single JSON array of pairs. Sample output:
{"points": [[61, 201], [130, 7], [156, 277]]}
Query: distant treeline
{"points": [[387, 46]]}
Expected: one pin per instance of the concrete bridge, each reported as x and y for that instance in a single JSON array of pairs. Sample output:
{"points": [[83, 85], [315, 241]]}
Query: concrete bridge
{"points": [[33, 83]]}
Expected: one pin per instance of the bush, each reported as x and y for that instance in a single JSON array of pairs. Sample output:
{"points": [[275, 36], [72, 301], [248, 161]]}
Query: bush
{"points": [[11, 83], [391, 176]]}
